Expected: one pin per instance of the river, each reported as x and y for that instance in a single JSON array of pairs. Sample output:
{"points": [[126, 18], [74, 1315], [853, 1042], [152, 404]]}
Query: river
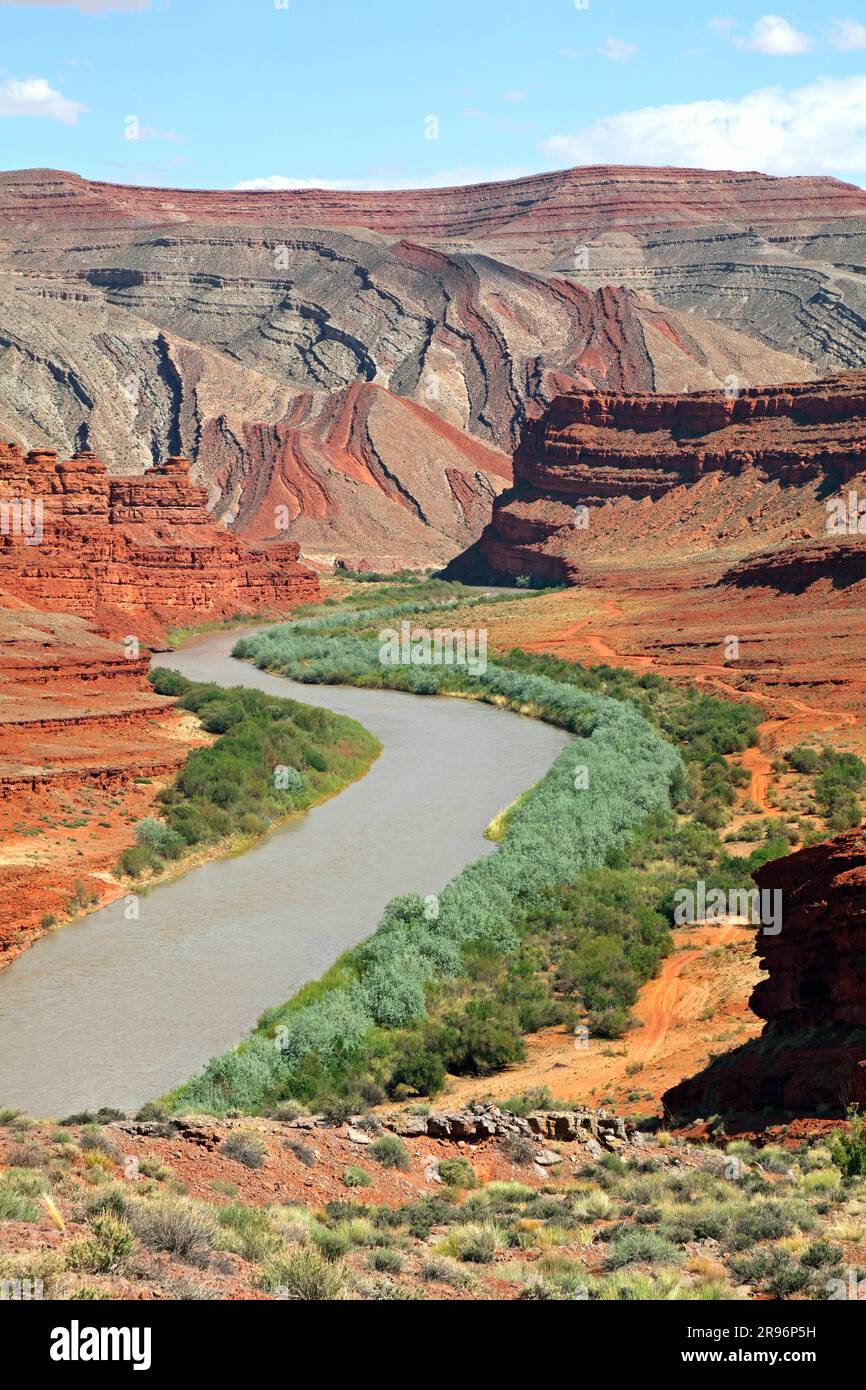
{"points": [[110, 1011]]}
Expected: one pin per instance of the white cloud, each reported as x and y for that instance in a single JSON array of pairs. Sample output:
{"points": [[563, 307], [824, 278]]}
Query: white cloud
{"points": [[515, 96], [35, 97], [776, 36], [847, 34], [443, 178], [85, 6], [617, 50], [819, 129]]}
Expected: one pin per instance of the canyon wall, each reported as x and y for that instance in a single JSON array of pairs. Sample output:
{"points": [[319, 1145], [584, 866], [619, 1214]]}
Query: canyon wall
{"points": [[811, 1057], [367, 360], [605, 479]]}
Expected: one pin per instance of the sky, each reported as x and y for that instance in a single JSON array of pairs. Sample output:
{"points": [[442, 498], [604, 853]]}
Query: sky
{"points": [[422, 93]]}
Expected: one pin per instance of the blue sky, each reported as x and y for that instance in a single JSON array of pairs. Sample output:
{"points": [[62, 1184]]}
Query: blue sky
{"points": [[348, 93]]}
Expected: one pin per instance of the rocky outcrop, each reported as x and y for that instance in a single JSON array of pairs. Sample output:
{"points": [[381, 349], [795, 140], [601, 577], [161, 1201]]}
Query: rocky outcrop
{"points": [[485, 1121], [593, 467], [811, 1056], [796, 568], [131, 553]]}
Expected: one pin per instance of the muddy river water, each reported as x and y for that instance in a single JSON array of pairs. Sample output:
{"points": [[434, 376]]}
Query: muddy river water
{"points": [[110, 1011]]}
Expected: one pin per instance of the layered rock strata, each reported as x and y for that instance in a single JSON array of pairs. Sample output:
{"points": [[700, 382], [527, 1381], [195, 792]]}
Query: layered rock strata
{"points": [[755, 468], [131, 553]]}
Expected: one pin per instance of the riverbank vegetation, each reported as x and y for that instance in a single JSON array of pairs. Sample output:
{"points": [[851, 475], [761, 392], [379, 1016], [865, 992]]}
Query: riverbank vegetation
{"points": [[273, 759], [453, 983]]}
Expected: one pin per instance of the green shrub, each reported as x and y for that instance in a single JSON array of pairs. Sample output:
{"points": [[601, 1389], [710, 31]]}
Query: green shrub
{"points": [[106, 1249], [480, 1038], [641, 1247], [457, 1172], [390, 1152], [304, 1276], [418, 1068], [848, 1151], [385, 1261], [356, 1177]]}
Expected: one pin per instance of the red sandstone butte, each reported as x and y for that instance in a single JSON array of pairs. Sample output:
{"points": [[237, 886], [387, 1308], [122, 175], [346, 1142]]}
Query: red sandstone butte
{"points": [[137, 552], [755, 467], [812, 1053]]}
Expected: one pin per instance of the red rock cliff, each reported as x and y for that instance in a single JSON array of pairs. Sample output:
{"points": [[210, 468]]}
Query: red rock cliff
{"points": [[131, 552], [634, 460], [812, 1054]]}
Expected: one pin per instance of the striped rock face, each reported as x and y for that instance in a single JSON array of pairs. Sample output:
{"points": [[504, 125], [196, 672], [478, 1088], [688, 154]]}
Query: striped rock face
{"points": [[352, 371]]}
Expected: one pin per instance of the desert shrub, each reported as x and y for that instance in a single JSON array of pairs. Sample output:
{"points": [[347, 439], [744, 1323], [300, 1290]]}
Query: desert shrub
{"points": [[385, 1261], [176, 1227], [245, 1148], [426, 1212], [332, 1242], [519, 1148], [249, 1230], [820, 1253], [803, 759], [303, 1152], [390, 1152], [480, 1038], [418, 1068], [457, 1172], [439, 1269], [304, 1275], [764, 1220], [848, 1150], [105, 1249], [337, 1109], [16, 1205], [356, 1177], [152, 1111], [152, 1167], [475, 1242], [640, 1247], [159, 838], [137, 860], [289, 1110], [100, 1143], [167, 682]]}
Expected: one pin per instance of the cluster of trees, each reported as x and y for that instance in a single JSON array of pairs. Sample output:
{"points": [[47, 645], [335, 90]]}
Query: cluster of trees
{"points": [[837, 780], [272, 759]]}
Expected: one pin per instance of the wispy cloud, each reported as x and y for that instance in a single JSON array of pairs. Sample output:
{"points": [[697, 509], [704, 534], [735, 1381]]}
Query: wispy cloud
{"points": [[777, 37], [34, 96], [85, 6], [847, 34], [817, 129], [617, 50]]}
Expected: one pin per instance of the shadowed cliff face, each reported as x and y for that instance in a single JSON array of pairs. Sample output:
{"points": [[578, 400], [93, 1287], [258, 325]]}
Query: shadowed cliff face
{"points": [[812, 1054], [366, 361]]}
